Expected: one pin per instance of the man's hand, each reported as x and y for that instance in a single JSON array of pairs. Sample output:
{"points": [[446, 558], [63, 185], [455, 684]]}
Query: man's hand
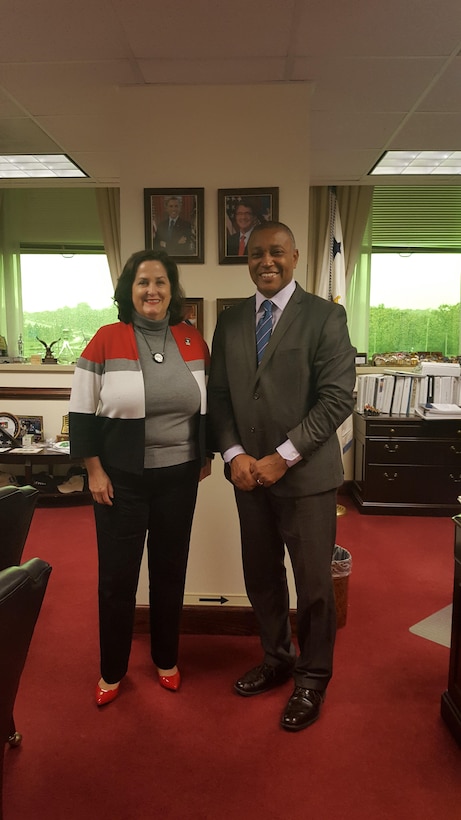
{"points": [[269, 470], [241, 475]]}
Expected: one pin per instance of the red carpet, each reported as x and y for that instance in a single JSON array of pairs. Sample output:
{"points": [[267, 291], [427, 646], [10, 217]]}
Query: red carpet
{"points": [[380, 750]]}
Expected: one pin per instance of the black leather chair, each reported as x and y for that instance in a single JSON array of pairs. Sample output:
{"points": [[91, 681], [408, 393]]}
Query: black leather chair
{"points": [[21, 594], [17, 506]]}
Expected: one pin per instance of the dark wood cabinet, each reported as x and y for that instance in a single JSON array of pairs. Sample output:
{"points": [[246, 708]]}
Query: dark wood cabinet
{"points": [[451, 699], [406, 465]]}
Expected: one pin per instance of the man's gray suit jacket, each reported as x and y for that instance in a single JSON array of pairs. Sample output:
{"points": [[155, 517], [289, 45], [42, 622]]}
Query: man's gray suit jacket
{"points": [[302, 390]]}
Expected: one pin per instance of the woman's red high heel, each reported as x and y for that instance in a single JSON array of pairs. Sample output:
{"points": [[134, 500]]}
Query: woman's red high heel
{"points": [[104, 696], [171, 682]]}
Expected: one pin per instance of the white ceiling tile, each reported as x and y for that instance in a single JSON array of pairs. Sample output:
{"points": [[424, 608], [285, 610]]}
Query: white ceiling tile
{"points": [[67, 88], [17, 136], [396, 28], [61, 29], [327, 166], [446, 92], [213, 71], [429, 131], [190, 30], [366, 83], [83, 133], [357, 130]]}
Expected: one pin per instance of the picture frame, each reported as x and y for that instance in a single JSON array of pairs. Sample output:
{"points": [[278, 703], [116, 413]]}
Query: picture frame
{"points": [[183, 241], [194, 312], [242, 209], [31, 425], [223, 304]]}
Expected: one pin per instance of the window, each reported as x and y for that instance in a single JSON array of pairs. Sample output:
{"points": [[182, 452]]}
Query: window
{"points": [[65, 299], [415, 303], [405, 293]]}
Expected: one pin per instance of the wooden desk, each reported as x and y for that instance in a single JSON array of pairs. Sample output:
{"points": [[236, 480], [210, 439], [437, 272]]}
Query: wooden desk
{"points": [[50, 458], [406, 465]]}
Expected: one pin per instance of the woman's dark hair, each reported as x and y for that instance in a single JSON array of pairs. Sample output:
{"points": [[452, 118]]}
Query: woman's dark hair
{"points": [[122, 295]]}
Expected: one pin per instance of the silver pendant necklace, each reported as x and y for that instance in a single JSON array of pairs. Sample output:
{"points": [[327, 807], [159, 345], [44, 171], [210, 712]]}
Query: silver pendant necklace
{"points": [[158, 357]]}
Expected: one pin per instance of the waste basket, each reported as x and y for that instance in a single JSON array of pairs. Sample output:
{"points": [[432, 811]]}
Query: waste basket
{"points": [[341, 566]]}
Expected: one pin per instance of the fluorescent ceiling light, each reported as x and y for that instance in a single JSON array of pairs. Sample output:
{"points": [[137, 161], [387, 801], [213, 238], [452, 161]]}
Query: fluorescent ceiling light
{"points": [[53, 166], [419, 162]]}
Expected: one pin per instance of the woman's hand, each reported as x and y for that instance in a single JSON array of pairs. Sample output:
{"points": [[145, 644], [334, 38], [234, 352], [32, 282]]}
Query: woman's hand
{"points": [[99, 483], [206, 470]]}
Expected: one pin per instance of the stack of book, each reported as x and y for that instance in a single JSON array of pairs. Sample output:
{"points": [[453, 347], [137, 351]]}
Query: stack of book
{"points": [[438, 411], [402, 392]]}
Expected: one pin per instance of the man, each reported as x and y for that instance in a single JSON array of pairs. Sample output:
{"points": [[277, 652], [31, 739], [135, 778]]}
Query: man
{"points": [[174, 234], [275, 424], [245, 219]]}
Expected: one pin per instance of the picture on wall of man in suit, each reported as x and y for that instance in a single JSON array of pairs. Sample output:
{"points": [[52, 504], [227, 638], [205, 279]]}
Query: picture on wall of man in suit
{"points": [[281, 383], [174, 222], [245, 218], [174, 234], [239, 211]]}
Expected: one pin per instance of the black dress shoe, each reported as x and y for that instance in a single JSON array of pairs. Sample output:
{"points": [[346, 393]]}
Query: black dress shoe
{"points": [[303, 708], [261, 679]]}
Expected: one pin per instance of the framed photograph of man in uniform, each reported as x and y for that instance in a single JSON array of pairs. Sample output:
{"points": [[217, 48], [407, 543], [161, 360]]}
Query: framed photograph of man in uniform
{"points": [[239, 210], [174, 222]]}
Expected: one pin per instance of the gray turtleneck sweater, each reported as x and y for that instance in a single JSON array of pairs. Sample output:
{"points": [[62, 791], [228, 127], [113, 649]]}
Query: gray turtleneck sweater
{"points": [[172, 396]]}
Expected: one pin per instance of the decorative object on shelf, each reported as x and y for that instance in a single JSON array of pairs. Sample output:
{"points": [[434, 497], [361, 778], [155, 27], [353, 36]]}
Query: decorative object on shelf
{"points": [[10, 424], [31, 425], [239, 210], [48, 357], [3, 347], [361, 359], [174, 222], [65, 427], [66, 355]]}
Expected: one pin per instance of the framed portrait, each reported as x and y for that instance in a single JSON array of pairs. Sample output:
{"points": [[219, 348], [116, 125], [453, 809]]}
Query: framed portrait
{"points": [[194, 313], [223, 304], [31, 425], [174, 220], [239, 210]]}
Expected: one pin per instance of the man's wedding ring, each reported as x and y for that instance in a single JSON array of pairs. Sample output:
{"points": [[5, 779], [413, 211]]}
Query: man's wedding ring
{"points": [[259, 482]]}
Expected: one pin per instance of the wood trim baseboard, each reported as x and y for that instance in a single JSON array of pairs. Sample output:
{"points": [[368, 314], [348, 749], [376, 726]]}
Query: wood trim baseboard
{"points": [[211, 620], [236, 620], [34, 393]]}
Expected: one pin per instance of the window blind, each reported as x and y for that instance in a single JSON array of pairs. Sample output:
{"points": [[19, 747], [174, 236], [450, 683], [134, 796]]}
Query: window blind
{"points": [[417, 218]]}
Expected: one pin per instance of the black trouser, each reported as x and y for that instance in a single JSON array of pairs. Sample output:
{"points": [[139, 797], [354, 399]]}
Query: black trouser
{"points": [[307, 526], [160, 502]]}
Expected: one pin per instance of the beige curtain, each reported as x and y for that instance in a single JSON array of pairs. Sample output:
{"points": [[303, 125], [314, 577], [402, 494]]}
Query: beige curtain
{"points": [[354, 203], [10, 273], [108, 202], [353, 206]]}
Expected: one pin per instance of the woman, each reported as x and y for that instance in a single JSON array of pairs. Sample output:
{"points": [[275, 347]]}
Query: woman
{"points": [[137, 418]]}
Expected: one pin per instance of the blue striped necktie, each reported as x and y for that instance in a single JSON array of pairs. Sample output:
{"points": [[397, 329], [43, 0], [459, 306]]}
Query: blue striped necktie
{"points": [[264, 329]]}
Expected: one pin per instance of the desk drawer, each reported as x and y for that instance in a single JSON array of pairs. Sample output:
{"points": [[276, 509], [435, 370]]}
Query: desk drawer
{"points": [[411, 484], [406, 451]]}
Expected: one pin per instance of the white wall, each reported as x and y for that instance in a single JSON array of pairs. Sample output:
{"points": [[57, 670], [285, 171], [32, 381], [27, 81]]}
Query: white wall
{"points": [[210, 137], [215, 137]]}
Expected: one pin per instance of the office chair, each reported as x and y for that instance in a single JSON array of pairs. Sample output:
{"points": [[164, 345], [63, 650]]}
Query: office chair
{"points": [[17, 506], [22, 590]]}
